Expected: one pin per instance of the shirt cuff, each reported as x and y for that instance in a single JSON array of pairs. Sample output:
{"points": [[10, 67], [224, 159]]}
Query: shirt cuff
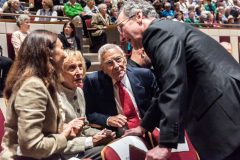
{"points": [[107, 121], [89, 142]]}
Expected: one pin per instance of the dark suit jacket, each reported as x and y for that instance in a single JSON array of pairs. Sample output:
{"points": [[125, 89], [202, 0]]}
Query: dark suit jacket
{"points": [[99, 95], [200, 84]]}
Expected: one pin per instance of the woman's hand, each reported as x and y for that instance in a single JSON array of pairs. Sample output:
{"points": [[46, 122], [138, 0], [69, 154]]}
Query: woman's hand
{"points": [[75, 126]]}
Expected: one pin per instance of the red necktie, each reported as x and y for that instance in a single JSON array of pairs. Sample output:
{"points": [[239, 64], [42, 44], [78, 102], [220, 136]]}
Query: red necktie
{"points": [[128, 107]]}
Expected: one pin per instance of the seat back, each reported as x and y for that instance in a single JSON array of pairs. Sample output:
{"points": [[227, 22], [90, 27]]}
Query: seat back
{"points": [[191, 154], [11, 52], [88, 25], [120, 149], [88, 22]]}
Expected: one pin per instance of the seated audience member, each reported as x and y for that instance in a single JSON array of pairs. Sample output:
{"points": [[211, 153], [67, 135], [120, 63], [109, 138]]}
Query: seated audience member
{"points": [[37, 4], [5, 64], [90, 8], [178, 17], [117, 97], [68, 37], [70, 40], [210, 6], [114, 15], [23, 23], [47, 10], [191, 18], [109, 5], [89, 141], [139, 59], [14, 6], [120, 3], [33, 127], [74, 10], [230, 20], [207, 18], [2, 2], [167, 12], [100, 21]]}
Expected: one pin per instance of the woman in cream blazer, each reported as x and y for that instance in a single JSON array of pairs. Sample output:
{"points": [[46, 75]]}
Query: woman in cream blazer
{"points": [[89, 141]]}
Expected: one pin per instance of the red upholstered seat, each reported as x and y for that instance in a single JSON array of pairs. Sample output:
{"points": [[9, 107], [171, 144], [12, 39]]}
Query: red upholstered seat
{"points": [[11, 52], [121, 148], [185, 155], [1, 128], [88, 22]]}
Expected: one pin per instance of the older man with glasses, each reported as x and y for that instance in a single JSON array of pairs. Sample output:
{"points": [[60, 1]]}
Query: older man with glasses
{"points": [[117, 97]]}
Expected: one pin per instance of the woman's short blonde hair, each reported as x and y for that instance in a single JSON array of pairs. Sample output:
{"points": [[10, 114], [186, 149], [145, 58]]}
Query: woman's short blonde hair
{"points": [[74, 55]]}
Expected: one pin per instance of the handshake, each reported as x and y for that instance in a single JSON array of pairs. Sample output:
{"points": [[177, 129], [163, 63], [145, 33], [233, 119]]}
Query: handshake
{"points": [[103, 137], [75, 127]]}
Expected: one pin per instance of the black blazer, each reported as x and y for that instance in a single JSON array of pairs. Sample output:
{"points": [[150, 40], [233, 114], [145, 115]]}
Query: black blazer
{"points": [[200, 84], [99, 95]]}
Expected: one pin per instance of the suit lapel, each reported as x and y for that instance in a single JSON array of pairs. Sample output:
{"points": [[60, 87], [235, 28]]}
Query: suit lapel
{"points": [[106, 83], [136, 85]]}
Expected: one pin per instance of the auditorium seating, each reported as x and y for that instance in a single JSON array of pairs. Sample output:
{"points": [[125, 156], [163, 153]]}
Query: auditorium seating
{"points": [[121, 149], [11, 52], [183, 155]]}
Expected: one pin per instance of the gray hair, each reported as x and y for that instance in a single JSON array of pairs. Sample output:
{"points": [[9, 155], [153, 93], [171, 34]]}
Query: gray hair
{"points": [[21, 19], [106, 48], [100, 6], [131, 7]]}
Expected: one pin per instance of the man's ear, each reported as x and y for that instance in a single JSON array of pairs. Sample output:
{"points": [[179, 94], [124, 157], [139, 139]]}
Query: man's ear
{"points": [[139, 17]]}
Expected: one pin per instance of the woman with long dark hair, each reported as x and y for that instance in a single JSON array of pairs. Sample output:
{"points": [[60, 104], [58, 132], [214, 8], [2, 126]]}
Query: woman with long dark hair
{"points": [[33, 123]]}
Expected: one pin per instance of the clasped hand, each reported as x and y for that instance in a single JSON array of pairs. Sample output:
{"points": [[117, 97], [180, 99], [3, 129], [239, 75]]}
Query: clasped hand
{"points": [[74, 127], [117, 121]]}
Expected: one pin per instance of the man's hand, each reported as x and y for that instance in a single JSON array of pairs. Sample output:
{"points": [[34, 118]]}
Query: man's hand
{"points": [[103, 138], [158, 153], [138, 131], [117, 121]]}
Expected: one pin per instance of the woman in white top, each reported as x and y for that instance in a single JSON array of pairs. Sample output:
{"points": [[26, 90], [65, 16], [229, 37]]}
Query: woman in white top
{"points": [[47, 10], [23, 22]]}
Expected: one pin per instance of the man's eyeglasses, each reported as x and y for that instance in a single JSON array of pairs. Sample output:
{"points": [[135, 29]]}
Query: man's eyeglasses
{"points": [[117, 60], [121, 24]]}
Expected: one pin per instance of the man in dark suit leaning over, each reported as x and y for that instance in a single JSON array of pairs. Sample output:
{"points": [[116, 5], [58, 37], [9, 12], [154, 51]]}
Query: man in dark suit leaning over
{"points": [[104, 98], [200, 84]]}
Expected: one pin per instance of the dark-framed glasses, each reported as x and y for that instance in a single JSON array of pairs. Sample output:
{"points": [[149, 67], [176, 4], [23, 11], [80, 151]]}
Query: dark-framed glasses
{"points": [[122, 23], [118, 60]]}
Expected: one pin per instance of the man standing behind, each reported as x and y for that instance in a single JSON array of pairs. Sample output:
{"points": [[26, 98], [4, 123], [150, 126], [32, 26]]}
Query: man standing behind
{"points": [[117, 97], [200, 84], [139, 59]]}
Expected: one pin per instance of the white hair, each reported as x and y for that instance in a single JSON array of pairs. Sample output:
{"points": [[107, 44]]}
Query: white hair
{"points": [[22, 18], [106, 48], [131, 7]]}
